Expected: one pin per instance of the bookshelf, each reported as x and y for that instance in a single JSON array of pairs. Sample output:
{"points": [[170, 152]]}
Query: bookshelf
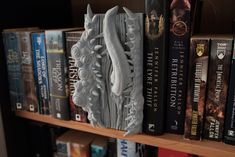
{"points": [[169, 141], [59, 15]]}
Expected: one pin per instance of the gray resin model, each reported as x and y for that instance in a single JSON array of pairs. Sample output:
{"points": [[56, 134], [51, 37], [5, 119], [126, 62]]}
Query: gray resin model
{"points": [[109, 56]]}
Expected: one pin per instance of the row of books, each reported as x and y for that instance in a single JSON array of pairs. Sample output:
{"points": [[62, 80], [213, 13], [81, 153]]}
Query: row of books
{"points": [[74, 144], [34, 86], [209, 77], [62, 142], [168, 27], [185, 74], [41, 71]]}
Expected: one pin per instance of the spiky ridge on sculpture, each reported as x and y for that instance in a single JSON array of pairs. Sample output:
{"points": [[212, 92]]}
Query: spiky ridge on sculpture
{"points": [[136, 104], [88, 60], [120, 76]]}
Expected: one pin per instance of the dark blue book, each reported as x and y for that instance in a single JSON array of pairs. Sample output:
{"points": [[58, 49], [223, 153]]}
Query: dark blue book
{"points": [[13, 59], [41, 71]]}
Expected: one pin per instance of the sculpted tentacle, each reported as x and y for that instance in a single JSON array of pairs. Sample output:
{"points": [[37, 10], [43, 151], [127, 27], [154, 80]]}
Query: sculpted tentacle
{"points": [[120, 75]]}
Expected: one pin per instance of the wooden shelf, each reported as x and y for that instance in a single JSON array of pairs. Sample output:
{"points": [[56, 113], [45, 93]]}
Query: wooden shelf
{"points": [[169, 141]]}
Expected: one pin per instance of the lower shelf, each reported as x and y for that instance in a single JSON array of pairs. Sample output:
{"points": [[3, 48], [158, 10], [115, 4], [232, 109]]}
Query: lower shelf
{"points": [[169, 141]]}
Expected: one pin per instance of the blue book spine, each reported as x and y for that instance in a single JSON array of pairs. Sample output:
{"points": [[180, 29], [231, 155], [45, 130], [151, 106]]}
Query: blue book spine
{"points": [[13, 58], [41, 71]]}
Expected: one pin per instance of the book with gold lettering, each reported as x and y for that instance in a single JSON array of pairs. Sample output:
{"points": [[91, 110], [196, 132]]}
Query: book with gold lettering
{"points": [[197, 82], [155, 65]]}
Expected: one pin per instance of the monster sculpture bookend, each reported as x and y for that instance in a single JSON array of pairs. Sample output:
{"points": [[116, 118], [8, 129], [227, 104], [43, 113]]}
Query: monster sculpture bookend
{"points": [[109, 56]]}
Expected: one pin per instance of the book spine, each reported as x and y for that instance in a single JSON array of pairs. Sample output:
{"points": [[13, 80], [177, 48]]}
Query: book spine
{"points": [[13, 59], [229, 132], [112, 147], [41, 72], [196, 93], [57, 72], [76, 112], [30, 95], [156, 33], [177, 66], [127, 148], [218, 76]]}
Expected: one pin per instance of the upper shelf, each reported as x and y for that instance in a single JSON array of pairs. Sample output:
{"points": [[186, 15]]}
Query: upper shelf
{"points": [[169, 141]]}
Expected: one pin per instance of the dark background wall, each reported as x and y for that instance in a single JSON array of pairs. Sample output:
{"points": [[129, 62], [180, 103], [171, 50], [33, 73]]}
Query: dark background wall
{"points": [[216, 15], [24, 13]]}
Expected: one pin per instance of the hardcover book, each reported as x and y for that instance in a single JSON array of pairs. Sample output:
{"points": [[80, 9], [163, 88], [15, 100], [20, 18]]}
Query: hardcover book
{"points": [[13, 60], [218, 77], [197, 81], [229, 126], [57, 72], [76, 112], [41, 71], [179, 36], [155, 65], [25, 49]]}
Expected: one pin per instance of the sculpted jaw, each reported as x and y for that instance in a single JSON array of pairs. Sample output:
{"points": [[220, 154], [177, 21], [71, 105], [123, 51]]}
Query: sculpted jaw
{"points": [[110, 85]]}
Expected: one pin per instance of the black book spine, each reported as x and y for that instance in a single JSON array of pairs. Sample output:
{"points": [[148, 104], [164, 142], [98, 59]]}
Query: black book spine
{"points": [[229, 130], [180, 13], [76, 112], [218, 77], [197, 81], [156, 33]]}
